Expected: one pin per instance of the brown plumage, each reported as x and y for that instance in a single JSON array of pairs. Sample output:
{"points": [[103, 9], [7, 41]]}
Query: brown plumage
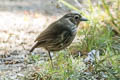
{"points": [[59, 34]]}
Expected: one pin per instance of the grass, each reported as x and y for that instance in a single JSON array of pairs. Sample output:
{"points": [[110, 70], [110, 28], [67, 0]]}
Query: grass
{"points": [[100, 34]]}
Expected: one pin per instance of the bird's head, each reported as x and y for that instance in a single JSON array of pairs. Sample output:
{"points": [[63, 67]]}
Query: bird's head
{"points": [[75, 18]]}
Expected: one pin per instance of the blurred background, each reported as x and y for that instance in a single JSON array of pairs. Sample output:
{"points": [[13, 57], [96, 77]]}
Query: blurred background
{"points": [[21, 21]]}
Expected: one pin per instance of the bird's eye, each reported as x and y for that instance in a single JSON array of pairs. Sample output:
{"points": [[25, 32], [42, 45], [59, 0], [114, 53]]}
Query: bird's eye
{"points": [[76, 17]]}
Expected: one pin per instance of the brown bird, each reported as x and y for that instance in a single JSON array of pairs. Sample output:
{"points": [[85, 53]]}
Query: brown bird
{"points": [[59, 34]]}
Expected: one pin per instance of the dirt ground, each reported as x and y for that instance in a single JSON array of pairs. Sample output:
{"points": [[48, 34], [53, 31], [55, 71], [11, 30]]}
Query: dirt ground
{"points": [[20, 23]]}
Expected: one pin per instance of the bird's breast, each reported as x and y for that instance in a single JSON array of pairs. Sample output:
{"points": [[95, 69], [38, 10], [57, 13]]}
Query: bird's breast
{"points": [[74, 30]]}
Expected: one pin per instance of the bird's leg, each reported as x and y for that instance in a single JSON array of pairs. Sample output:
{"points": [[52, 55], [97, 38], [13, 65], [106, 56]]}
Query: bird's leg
{"points": [[50, 58]]}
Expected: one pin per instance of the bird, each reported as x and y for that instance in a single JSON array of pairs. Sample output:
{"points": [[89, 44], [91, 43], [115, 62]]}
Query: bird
{"points": [[59, 34]]}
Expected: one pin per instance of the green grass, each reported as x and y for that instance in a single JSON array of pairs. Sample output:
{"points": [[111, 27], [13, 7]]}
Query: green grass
{"points": [[99, 35]]}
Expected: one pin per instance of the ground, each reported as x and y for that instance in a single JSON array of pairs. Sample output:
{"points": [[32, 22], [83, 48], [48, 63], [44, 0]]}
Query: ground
{"points": [[21, 21]]}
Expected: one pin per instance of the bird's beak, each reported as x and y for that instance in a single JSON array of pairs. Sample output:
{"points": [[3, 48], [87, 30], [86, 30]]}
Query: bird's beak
{"points": [[83, 19]]}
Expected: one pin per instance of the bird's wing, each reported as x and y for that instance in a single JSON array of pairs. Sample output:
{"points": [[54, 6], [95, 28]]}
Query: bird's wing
{"points": [[52, 32], [63, 38]]}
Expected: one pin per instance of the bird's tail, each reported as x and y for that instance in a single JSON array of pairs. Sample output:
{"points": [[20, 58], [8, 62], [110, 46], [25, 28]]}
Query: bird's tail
{"points": [[31, 50]]}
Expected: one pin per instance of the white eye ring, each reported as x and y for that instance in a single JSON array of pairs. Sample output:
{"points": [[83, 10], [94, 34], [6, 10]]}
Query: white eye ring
{"points": [[76, 17]]}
